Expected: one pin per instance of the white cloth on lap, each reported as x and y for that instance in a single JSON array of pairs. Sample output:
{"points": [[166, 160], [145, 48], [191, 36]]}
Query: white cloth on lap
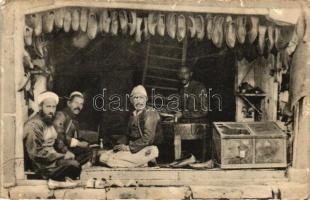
{"points": [[128, 159]]}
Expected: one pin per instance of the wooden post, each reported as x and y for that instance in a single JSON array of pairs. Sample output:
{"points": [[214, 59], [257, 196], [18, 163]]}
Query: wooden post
{"points": [[301, 147], [21, 107], [8, 96]]}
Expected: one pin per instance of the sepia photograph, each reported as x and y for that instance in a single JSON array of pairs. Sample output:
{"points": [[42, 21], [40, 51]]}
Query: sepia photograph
{"points": [[155, 99]]}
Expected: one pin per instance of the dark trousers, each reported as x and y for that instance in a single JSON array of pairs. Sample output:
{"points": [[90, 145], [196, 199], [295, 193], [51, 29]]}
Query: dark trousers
{"points": [[66, 168], [82, 155]]}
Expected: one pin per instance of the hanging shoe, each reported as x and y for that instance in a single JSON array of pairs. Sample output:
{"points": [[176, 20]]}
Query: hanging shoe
{"points": [[39, 63], [36, 21], [241, 31], [114, 22], [152, 22], [76, 19], [181, 27], [161, 24], [191, 26], [270, 40], [67, 20], [284, 37], [200, 27], [40, 47], [261, 39], [27, 60], [171, 25], [138, 30], [307, 25], [84, 19], [123, 19], [25, 83], [92, 25], [105, 21], [276, 37], [48, 21], [145, 29], [230, 32], [210, 25], [81, 40], [132, 22], [300, 27], [253, 31], [218, 33], [59, 17], [28, 31]]}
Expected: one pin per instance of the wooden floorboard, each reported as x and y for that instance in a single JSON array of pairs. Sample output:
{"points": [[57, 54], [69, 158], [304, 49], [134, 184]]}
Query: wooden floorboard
{"points": [[168, 176]]}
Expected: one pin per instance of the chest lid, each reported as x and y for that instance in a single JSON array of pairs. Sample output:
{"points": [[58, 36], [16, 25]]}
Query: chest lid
{"points": [[266, 129]]}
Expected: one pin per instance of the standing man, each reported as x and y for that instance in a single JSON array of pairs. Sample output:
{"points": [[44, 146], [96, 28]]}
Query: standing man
{"points": [[67, 127], [194, 107], [144, 131], [39, 139]]}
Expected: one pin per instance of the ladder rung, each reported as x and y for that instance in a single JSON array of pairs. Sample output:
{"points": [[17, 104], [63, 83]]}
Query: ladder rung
{"points": [[162, 68], [168, 46], [165, 57], [162, 87], [162, 78]]}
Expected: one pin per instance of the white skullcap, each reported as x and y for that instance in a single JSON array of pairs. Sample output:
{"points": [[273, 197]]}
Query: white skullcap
{"points": [[76, 93], [138, 90], [47, 95]]}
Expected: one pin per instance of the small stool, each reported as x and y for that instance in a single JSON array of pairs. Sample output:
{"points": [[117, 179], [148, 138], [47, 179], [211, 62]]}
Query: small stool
{"points": [[190, 131]]}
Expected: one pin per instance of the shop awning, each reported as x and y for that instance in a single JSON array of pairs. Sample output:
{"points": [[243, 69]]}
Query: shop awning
{"points": [[280, 11]]}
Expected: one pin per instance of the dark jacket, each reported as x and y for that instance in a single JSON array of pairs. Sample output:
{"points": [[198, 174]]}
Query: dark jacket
{"points": [[67, 128], [194, 106], [42, 153], [144, 130]]}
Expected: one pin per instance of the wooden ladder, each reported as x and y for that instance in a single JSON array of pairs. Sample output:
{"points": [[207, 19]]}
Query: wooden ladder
{"points": [[164, 56]]}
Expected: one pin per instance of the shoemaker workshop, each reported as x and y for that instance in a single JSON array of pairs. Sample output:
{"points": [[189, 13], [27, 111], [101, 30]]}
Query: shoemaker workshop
{"points": [[159, 99]]}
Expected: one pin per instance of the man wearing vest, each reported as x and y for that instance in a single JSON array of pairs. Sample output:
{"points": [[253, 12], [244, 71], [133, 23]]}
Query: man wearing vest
{"points": [[144, 132], [67, 127]]}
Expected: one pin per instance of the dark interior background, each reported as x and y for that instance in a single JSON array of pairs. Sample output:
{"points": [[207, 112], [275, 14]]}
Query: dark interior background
{"points": [[117, 62]]}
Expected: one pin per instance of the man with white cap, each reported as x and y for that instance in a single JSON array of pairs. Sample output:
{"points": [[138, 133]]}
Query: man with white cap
{"points": [[144, 132], [39, 140], [67, 127]]}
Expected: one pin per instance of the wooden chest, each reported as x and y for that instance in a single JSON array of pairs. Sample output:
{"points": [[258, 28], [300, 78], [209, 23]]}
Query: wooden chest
{"points": [[248, 145]]}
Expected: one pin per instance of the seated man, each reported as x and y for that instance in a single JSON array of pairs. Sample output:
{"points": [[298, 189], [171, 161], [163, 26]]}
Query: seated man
{"points": [[67, 128], [39, 139], [144, 131]]}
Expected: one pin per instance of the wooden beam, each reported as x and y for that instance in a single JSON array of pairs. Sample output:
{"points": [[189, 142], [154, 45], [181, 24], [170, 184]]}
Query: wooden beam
{"points": [[201, 6]]}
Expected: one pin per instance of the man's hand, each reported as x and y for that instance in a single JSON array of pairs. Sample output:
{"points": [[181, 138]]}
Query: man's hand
{"points": [[83, 144], [121, 147], [69, 155]]}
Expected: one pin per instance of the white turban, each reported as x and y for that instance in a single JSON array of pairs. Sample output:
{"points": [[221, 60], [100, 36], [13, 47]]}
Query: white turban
{"points": [[47, 95], [138, 90], [76, 93]]}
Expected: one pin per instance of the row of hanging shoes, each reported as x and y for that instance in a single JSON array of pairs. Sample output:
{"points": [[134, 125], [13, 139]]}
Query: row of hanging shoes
{"points": [[218, 28]]}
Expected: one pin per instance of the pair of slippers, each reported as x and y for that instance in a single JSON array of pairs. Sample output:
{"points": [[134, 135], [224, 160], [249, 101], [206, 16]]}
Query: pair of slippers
{"points": [[196, 26]]}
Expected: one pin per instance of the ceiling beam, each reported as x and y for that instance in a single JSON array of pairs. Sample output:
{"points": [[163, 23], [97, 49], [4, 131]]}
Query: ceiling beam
{"points": [[247, 7]]}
